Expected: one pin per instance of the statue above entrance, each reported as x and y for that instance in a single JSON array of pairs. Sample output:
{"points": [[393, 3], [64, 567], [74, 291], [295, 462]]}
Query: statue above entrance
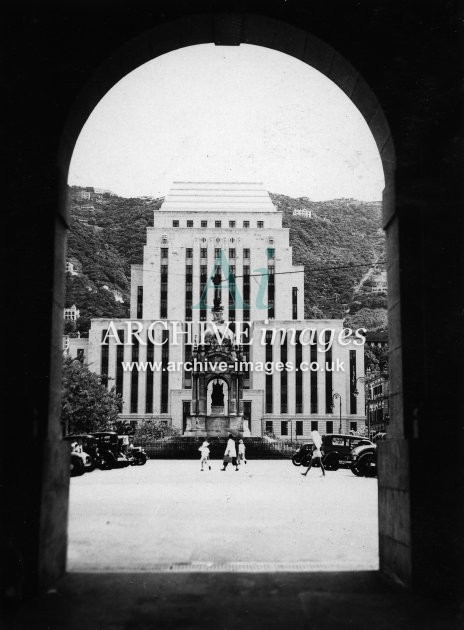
{"points": [[218, 332], [217, 396]]}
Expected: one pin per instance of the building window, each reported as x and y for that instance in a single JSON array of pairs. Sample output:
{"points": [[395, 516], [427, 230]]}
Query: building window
{"points": [[284, 427], [104, 355], [164, 291], [260, 224], [165, 373], [294, 303], [149, 377], [188, 292], [217, 224], [189, 252], [189, 223], [246, 293], [271, 292], [329, 426], [204, 224], [203, 292], [270, 251], [217, 253], [246, 224], [203, 252], [314, 425], [353, 426], [175, 223], [164, 252], [231, 224], [313, 377], [119, 360], [134, 395], [139, 302], [269, 379], [269, 426], [231, 254], [328, 375], [299, 427], [298, 374], [246, 253], [353, 400], [283, 375]]}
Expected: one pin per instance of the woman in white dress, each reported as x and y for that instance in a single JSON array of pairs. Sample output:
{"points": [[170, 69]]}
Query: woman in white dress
{"points": [[317, 454], [230, 453]]}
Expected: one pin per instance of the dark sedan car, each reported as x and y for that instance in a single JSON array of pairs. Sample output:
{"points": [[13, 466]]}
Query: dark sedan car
{"points": [[337, 448], [364, 460]]}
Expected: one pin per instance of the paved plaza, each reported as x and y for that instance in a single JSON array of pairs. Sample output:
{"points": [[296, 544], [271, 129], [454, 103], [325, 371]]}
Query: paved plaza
{"points": [[168, 515]]}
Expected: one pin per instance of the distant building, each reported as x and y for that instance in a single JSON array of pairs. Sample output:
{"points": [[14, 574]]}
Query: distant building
{"points": [[376, 339], [229, 235], [73, 267], [302, 212], [377, 403], [380, 281], [76, 348], [83, 194], [71, 314]]}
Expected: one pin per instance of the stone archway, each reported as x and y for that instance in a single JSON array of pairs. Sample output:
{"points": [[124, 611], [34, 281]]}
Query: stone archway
{"points": [[416, 546], [232, 30]]}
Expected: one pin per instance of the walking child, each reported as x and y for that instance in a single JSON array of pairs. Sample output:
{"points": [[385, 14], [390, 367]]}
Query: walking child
{"points": [[204, 455], [241, 452]]}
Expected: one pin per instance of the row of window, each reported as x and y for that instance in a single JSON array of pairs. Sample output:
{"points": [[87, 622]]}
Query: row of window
{"points": [[287, 427], [217, 223], [270, 253]]}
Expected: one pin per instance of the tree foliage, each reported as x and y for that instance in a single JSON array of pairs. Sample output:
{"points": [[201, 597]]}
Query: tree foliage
{"points": [[154, 430], [87, 405]]}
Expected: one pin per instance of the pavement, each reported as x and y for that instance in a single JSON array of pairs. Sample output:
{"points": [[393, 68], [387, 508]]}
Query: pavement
{"points": [[167, 547], [168, 515]]}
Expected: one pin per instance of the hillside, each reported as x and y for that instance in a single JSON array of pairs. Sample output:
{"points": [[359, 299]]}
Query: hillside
{"points": [[338, 246]]}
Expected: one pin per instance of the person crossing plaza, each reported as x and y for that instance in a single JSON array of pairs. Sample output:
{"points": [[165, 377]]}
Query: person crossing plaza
{"points": [[204, 457], [317, 453], [241, 452]]}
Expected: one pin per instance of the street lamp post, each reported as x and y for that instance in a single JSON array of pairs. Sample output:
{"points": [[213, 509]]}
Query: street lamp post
{"points": [[336, 395]]}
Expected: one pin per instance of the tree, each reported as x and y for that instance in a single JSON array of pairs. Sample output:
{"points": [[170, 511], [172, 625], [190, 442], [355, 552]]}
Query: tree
{"points": [[87, 405], [154, 430]]}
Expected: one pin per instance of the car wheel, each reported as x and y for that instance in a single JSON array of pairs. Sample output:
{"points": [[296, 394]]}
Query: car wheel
{"points": [[332, 463], [365, 465], [106, 462], [92, 465], [141, 459], [296, 461], [355, 470], [77, 467]]}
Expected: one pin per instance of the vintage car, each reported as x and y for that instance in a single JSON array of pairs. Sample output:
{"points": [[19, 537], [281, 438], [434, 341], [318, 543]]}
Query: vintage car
{"points": [[336, 449], [364, 460], [80, 461], [134, 454], [111, 454]]}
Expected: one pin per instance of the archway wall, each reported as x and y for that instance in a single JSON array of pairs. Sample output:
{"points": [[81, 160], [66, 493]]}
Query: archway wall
{"points": [[409, 60]]}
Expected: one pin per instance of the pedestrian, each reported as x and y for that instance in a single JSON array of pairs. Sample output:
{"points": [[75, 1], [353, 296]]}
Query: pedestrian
{"points": [[204, 455], [241, 452], [317, 454], [230, 453]]}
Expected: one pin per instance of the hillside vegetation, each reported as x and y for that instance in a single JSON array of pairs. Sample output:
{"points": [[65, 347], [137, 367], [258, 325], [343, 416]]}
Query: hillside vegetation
{"points": [[341, 247]]}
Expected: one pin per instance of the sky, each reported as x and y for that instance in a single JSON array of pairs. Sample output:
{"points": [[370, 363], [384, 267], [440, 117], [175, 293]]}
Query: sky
{"points": [[211, 113]]}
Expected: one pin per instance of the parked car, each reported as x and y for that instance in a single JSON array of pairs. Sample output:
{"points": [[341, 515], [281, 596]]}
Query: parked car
{"points": [[81, 461], [337, 447], [110, 451], [336, 450], [136, 455], [87, 444], [364, 460], [303, 455]]}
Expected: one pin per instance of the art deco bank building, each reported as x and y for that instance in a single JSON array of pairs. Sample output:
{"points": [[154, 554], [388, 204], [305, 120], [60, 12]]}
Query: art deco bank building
{"points": [[218, 254]]}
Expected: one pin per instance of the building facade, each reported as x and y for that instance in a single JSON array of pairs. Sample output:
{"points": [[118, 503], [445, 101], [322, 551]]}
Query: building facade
{"points": [[224, 244]]}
